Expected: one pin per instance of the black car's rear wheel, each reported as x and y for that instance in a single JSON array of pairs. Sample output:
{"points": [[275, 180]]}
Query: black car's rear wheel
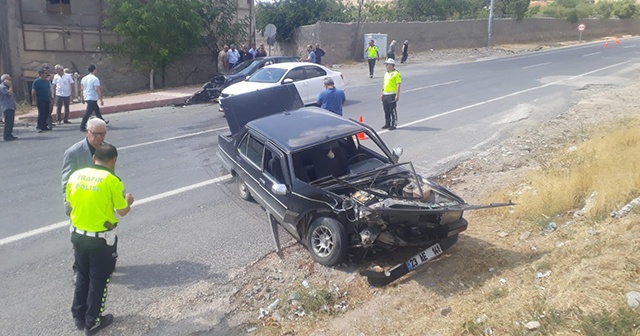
{"points": [[327, 241], [242, 188]]}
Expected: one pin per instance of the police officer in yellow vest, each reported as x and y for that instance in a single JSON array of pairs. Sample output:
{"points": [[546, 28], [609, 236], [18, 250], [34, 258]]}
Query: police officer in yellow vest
{"points": [[95, 193], [390, 94]]}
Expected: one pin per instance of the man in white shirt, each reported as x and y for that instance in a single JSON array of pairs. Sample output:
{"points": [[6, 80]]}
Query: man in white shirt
{"points": [[91, 93], [62, 91], [233, 55]]}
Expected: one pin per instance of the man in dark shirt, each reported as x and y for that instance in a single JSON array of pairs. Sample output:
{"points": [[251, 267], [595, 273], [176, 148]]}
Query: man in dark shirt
{"points": [[7, 106], [261, 52], [319, 54], [41, 96]]}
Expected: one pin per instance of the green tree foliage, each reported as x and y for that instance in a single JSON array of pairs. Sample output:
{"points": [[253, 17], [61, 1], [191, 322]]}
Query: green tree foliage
{"points": [[624, 9], [156, 32], [515, 9], [220, 25], [604, 9], [377, 12], [287, 15]]}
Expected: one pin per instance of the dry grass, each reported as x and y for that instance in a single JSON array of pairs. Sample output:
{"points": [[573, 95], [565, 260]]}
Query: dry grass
{"points": [[608, 164]]}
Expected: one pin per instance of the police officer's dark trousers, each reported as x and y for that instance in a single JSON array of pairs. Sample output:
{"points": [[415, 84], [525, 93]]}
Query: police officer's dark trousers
{"points": [[96, 261], [390, 113]]}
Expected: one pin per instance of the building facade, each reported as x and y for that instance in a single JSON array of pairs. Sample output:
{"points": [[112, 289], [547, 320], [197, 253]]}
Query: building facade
{"points": [[48, 32]]}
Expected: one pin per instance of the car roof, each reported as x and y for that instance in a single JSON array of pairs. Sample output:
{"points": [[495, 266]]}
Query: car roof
{"points": [[291, 65], [304, 127]]}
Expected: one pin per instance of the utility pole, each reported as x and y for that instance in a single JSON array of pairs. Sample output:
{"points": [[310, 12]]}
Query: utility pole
{"points": [[490, 24]]}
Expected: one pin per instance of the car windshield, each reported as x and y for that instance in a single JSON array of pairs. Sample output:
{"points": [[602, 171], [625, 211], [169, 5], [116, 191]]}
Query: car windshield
{"points": [[245, 67], [267, 75]]}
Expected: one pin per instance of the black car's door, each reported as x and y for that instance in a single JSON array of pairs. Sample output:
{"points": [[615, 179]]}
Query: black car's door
{"points": [[275, 173]]}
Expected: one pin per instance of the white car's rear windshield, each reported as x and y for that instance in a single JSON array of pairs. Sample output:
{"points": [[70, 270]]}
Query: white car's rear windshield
{"points": [[267, 75]]}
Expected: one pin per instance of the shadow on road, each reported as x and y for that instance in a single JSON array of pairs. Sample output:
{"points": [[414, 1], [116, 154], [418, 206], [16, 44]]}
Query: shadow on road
{"points": [[178, 273]]}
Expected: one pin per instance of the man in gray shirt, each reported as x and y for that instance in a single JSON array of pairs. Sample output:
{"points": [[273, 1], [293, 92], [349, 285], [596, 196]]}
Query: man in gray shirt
{"points": [[7, 106]]}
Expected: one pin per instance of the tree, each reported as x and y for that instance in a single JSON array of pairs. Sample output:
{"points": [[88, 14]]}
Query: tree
{"points": [[221, 26], [624, 9], [156, 32], [516, 9], [287, 15], [604, 9]]}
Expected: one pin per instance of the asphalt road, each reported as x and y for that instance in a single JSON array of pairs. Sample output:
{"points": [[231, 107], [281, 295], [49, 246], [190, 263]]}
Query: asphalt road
{"points": [[189, 232]]}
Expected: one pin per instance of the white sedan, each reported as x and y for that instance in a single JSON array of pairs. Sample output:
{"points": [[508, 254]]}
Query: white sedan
{"points": [[307, 77]]}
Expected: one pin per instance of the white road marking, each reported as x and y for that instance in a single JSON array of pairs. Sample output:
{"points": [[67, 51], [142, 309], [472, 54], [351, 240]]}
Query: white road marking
{"points": [[591, 54], [535, 65], [65, 223], [432, 86], [173, 138], [629, 46], [504, 97]]}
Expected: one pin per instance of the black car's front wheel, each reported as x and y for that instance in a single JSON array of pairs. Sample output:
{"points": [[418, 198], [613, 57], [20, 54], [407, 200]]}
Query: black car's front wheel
{"points": [[327, 241], [243, 189]]}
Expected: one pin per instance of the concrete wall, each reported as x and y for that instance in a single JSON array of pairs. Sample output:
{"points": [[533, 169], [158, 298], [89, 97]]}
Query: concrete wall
{"points": [[343, 41]]}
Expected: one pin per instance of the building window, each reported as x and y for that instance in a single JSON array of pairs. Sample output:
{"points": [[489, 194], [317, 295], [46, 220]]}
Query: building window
{"points": [[59, 6]]}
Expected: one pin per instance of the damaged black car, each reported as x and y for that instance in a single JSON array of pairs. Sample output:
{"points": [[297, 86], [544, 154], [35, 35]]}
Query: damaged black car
{"points": [[333, 184]]}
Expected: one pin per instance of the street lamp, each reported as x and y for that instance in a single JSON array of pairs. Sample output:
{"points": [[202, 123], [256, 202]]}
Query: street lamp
{"points": [[490, 24]]}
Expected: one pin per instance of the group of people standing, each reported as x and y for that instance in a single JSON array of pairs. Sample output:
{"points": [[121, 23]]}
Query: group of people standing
{"points": [[314, 54], [230, 56], [391, 84]]}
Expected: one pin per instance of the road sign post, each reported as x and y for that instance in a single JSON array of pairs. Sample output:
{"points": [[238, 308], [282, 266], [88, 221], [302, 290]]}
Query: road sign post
{"points": [[270, 33], [581, 28]]}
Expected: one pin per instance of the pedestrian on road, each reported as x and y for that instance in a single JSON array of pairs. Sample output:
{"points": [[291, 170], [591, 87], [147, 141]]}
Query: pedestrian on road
{"points": [[79, 156], [319, 53], [223, 60], [372, 56], [7, 106], [247, 53], [331, 99], [391, 52], [253, 51], [405, 51], [91, 93], [41, 96], [62, 88], [311, 56], [390, 94], [95, 193], [234, 56]]}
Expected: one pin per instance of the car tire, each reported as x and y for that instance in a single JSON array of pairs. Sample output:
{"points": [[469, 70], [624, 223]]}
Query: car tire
{"points": [[243, 189], [327, 241]]}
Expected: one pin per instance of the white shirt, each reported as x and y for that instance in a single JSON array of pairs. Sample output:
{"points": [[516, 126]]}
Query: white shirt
{"points": [[89, 84], [63, 84]]}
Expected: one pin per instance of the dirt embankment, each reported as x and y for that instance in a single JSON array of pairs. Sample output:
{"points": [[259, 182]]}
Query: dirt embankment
{"points": [[504, 277]]}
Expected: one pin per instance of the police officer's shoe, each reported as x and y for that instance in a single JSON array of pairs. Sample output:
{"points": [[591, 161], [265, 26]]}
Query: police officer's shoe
{"points": [[103, 322], [79, 324]]}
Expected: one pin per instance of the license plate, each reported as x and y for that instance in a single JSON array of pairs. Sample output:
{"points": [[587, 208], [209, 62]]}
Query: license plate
{"points": [[424, 256]]}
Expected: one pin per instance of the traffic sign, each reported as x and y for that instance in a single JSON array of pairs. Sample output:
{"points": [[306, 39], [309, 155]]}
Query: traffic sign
{"points": [[582, 27], [270, 30]]}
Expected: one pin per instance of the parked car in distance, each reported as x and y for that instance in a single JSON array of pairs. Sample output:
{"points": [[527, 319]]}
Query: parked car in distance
{"points": [[307, 78], [213, 88]]}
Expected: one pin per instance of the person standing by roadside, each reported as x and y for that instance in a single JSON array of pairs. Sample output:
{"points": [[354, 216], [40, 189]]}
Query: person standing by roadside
{"points": [[95, 194], [405, 51], [372, 56], [223, 60], [234, 56], [91, 93], [247, 53], [319, 53], [261, 52], [390, 94], [79, 156], [62, 89], [7, 106], [391, 52], [41, 97], [331, 99], [311, 56]]}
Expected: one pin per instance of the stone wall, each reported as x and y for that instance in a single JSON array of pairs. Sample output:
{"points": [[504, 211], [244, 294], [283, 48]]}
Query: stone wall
{"points": [[344, 41]]}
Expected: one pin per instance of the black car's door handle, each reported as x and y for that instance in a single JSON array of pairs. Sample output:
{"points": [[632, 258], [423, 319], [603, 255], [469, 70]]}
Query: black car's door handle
{"points": [[262, 181]]}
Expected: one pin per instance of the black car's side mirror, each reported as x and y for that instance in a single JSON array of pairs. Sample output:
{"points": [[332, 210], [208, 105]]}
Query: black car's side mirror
{"points": [[279, 189]]}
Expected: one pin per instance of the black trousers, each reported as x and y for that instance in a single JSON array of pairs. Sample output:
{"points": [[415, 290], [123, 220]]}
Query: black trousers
{"points": [[372, 64], [390, 113], [92, 106], [9, 117], [44, 111], [95, 261], [59, 102], [404, 57]]}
